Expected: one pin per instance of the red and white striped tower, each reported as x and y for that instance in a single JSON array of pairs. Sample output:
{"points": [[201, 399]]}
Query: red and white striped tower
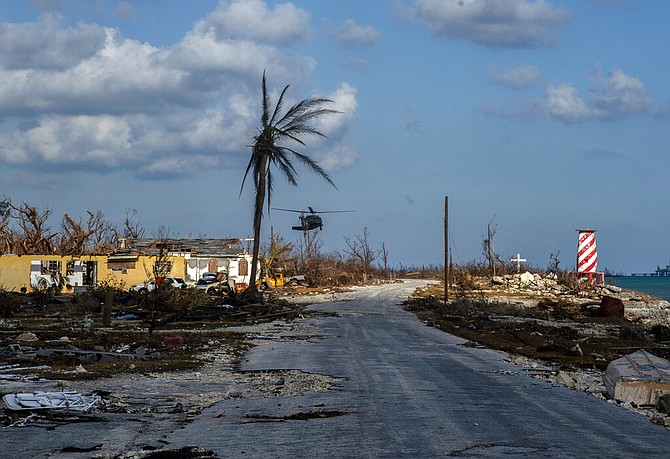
{"points": [[587, 256]]}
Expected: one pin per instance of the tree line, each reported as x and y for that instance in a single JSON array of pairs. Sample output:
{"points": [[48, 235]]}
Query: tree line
{"points": [[25, 229]]}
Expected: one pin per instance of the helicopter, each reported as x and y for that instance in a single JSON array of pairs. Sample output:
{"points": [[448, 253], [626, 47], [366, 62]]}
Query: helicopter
{"points": [[309, 219]]}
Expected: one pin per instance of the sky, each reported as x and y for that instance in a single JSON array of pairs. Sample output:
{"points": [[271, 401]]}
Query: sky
{"points": [[537, 118]]}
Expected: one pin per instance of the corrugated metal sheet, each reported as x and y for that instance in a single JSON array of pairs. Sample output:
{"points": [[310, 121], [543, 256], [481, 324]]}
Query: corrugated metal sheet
{"points": [[201, 247]]}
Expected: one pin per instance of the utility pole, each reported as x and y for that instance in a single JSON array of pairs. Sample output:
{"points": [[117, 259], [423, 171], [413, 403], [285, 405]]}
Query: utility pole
{"points": [[446, 249]]}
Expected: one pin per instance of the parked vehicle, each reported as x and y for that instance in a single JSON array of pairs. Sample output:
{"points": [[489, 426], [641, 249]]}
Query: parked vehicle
{"points": [[278, 280], [213, 283], [176, 282]]}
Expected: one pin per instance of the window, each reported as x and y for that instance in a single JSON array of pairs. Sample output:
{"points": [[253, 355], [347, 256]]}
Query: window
{"points": [[51, 267], [243, 267]]}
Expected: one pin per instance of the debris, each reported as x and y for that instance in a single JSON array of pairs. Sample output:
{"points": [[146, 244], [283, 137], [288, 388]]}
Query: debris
{"points": [[81, 449], [640, 378], [56, 401], [97, 356], [13, 350], [27, 336], [18, 367], [174, 340]]}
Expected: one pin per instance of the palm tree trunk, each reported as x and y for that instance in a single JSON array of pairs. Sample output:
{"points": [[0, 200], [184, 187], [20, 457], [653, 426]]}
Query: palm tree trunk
{"points": [[258, 219]]}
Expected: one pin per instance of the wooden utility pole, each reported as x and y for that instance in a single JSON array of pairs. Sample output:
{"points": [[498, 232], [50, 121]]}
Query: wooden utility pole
{"points": [[446, 249]]}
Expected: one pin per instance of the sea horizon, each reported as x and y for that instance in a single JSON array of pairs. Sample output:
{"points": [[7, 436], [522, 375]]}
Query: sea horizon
{"points": [[656, 286]]}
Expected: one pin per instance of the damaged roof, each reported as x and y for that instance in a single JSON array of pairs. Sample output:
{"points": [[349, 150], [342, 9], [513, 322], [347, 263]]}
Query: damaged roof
{"points": [[199, 246]]}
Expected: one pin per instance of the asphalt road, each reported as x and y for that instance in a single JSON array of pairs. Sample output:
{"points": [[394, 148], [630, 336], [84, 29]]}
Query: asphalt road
{"points": [[407, 391]]}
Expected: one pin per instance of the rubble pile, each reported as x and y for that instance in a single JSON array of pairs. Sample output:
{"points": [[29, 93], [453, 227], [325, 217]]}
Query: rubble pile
{"points": [[531, 288]]}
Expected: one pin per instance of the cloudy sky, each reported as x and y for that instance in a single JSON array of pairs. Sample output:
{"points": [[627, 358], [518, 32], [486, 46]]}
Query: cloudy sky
{"points": [[539, 117]]}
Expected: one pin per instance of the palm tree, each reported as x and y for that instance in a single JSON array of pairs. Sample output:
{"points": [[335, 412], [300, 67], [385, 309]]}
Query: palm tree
{"points": [[266, 151]]}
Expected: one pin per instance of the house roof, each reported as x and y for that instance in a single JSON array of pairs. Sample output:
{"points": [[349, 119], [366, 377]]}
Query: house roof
{"points": [[202, 247]]}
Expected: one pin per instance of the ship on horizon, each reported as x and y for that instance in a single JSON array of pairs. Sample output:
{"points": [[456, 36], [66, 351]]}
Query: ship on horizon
{"points": [[662, 272]]}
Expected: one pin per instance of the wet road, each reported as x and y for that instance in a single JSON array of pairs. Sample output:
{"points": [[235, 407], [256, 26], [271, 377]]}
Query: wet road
{"points": [[407, 391]]}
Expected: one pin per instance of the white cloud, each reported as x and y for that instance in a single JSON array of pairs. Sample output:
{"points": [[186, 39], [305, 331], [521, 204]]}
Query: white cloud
{"points": [[89, 141], [614, 97], [505, 23], [46, 45], [337, 158], [121, 76], [561, 102], [620, 95], [88, 98], [344, 101], [352, 34], [178, 166], [523, 76], [253, 20], [207, 56]]}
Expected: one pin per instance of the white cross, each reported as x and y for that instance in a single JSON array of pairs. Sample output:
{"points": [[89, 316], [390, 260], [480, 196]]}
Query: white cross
{"points": [[518, 261]]}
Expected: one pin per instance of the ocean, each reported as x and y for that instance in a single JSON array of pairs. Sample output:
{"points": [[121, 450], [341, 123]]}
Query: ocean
{"points": [[658, 287]]}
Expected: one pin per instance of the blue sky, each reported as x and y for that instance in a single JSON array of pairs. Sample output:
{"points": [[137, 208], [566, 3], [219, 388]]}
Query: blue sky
{"points": [[541, 117]]}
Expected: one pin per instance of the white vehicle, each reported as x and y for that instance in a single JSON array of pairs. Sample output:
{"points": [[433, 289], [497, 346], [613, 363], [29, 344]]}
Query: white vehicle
{"points": [[176, 282], [213, 283]]}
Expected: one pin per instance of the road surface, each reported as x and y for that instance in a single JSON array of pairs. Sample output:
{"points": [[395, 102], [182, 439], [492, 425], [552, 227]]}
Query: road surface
{"points": [[405, 390]]}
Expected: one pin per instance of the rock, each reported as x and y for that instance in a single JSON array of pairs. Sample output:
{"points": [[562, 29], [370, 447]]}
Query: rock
{"points": [[497, 280], [612, 288], [610, 307], [526, 278], [565, 379], [27, 336], [576, 350], [663, 404], [141, 350]]}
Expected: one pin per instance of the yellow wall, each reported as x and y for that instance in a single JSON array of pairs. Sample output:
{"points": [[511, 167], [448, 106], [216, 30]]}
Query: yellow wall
{"points": [[15, 270]]}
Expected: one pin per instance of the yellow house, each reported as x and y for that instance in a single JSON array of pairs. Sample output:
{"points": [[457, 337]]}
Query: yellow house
{"points": [[29, 272]]}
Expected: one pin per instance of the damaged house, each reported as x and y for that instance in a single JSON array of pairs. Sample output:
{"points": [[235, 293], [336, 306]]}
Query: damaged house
{"points": [[201, 256], [134, 261]]}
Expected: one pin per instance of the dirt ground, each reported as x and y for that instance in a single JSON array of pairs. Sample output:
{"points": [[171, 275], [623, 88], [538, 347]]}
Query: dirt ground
{"points": [[558, 335], [567, 330], [187, 358]]}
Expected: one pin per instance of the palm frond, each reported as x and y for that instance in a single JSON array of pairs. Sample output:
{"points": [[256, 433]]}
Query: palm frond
{"points": [[313, 165], [266, 103], [278, 107]]}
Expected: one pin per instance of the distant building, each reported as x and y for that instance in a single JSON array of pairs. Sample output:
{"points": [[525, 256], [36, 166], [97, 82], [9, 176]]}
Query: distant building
{"points": [[135, 261]]}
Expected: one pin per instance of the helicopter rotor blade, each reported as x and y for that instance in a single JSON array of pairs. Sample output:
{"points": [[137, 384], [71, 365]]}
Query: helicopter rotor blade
{"points": [[334, 211], [288, 210]]}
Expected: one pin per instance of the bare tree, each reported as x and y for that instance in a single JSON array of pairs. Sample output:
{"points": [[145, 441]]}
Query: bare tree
{"points": [[94, 235], [132, 228], [488, 249], [36, 236], [8, 236], [384, 254], [275, 254], [360, 252]]}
